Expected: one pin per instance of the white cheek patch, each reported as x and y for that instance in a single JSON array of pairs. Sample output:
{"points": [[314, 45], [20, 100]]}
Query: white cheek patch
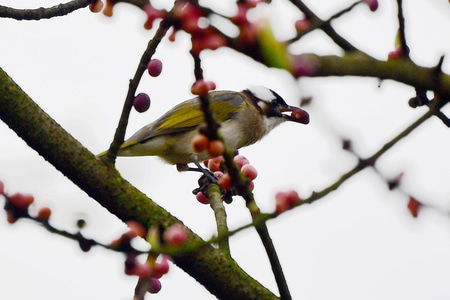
{"points": [[262, 93], [262, 105]]}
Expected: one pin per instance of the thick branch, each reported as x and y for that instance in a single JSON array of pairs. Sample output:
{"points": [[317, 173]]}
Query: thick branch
{"points": [[401, 70], [209, 266]]}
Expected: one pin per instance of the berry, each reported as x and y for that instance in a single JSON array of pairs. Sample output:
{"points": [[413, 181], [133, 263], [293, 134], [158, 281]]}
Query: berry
{"points": [[201, 197], [175, 234], [216, 148], [413, 206], [202, 87], [300, 115], [154, 286], [44, 214], [302, 25], [154, 67], [200, 142], [142, 102], [215, 164], [225, 181], [397, 53], [373, 4], [96, 7], [249, 171], [136, 229], [285, 201], [304, 65], [21, 201], [161, 267], [241, 160]]}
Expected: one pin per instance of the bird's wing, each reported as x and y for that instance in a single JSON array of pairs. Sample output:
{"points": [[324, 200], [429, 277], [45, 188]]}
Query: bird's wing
{"points": [[188, 115]]}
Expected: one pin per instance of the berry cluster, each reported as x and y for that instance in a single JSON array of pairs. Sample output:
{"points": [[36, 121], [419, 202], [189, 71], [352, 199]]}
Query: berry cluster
{"points": [[17, 205], [156, 265], [224, 180]]}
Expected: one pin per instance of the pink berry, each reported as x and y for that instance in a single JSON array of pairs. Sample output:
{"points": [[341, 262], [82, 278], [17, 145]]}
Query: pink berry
{"points": [[302, 25], [241, 160], [142, 102], [304, 65], [154, 67], [154, 286], [161, 267], [202, 87], [201, 197], [215, 164], [136, 229], [373, 4], [175, 234], [143, 270], [285, 201], [397, 53], [249, 171]]}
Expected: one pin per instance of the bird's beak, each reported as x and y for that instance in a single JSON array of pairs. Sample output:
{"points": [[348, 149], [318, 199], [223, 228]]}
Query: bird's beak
{"points": [[297, 115]]}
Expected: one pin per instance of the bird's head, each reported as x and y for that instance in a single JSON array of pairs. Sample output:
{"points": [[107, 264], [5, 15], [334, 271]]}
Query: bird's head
{"points": [[274, 109]]}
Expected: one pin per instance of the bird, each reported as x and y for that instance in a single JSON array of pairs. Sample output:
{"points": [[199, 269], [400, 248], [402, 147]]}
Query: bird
{"points": [[245, 117]]}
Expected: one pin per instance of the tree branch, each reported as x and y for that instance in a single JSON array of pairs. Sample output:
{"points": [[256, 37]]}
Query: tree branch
{"points": [[210, 267], [41, 12]]}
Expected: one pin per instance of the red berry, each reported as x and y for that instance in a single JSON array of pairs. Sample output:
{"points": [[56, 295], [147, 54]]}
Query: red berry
{"points": [[154, 67], [225, 181], [142, 102], [413, 206], [44, 213], [301, 115], [96, 7], [202, 87], [200, 142], [216, 148], [21, 201], [108, 11]]}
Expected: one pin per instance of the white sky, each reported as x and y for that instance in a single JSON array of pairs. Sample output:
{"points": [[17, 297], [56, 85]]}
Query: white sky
{"points": [[358, 243]]}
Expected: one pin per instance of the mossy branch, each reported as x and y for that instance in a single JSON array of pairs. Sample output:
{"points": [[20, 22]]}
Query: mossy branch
{"points": [[211, 267]]}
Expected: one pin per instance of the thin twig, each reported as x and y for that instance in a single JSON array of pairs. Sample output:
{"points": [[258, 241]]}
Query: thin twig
{"points": [[326, 27], [401, 29], [146, 56], [43, 13]]}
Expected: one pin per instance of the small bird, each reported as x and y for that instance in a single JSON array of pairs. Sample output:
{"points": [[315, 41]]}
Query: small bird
{"points": [[245, 117]]}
